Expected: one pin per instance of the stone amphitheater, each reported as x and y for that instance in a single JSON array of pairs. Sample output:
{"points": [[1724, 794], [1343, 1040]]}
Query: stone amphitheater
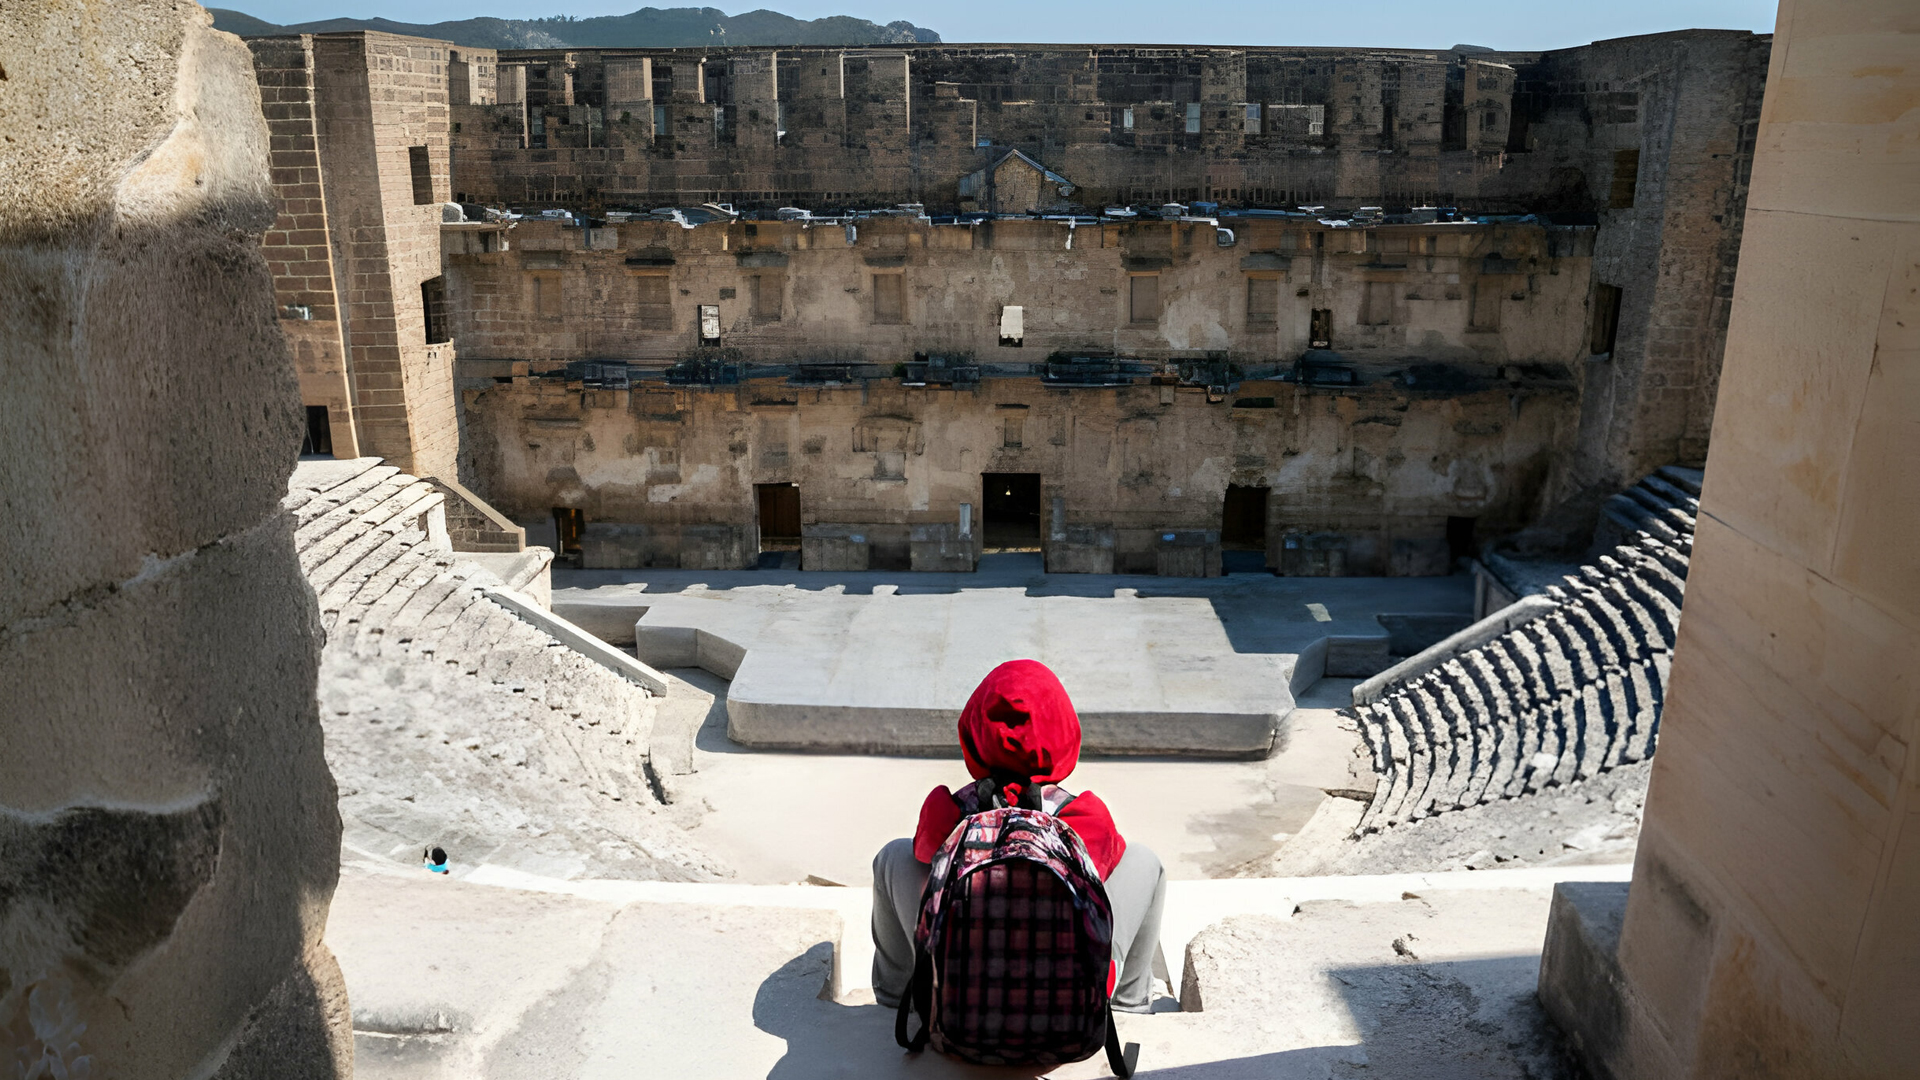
{"points": [[575, 787]]}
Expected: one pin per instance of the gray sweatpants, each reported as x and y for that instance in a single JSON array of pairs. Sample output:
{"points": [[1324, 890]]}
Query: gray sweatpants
{"points": [[1137, 889]]}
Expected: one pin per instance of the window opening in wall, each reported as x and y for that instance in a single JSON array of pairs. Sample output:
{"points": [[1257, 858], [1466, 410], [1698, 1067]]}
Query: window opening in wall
{"points": [[1243, 518], [653, 295], [1010, 511], [1013, 326], [1126, 119], [1320, 330], [763, 296], [1143, 299], [1626, 178], [889, 298], [1193, 118], [319, 438], [1253, 120], [1013, 428], [422, 168], [709, 324], [1488, 292], [1606, 319], [433, 305], [779, 516], [569, 525], [1263, 303], [1459, 538], [661, 131]]}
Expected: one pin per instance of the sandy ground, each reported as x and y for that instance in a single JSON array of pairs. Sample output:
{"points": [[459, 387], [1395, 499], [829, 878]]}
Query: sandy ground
{"points": [[781, 818]]}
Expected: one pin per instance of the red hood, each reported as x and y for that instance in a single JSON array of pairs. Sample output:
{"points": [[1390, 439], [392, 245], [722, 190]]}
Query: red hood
{"points": [[1020, 721]]}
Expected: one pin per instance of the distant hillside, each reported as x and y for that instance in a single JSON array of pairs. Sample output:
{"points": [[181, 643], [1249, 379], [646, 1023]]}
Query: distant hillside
{"points": [[647, 28]]}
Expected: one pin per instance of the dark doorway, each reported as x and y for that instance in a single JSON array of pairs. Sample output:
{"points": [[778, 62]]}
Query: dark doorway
{"points": [[1010, 511], [779, 516], [1243, 519], [569, 524], [1459, 538], [1320, 328], [319, 438]]}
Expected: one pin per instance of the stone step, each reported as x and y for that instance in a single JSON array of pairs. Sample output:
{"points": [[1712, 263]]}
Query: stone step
{"points": [[337, 497], [1522, 724], [1503, 725], [1645, 629], [1582, 666], [1630, 517], [1425, 763], [1650, 686], [1602, 648], [355, 564], [1649, 589], [1669, 559], [338, 554], [462, 643], [343, 515], [1648, 499], [1453, 758], [383, 595], [1686, 479], [435, 625], [1671, 494], [405, 625], [1461, 714]]}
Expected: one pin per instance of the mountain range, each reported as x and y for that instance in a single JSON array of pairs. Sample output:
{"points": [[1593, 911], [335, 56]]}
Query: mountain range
{"points": [[656, 28]]}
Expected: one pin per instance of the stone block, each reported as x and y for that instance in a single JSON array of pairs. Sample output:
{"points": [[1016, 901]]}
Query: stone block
{"points": [[1190, 553], [834, 553], [1081, 549], [940, 548], [1357, 657]]}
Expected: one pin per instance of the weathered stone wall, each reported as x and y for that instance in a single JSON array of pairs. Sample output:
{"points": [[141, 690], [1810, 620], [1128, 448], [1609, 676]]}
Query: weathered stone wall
{"points": [[297, 247], [665, 476], [1655, 135], [382, 107], [169, 839], [1770, 929], [880, 125], [1463, 293]]}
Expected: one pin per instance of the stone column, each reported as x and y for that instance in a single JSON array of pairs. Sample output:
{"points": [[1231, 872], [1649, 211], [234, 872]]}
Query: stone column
{"points": [[1770, 929], [169, 839]]}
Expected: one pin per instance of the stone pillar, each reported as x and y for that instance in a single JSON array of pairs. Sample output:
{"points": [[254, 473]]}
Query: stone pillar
{"points": [[1770, 929], [169, 838]]}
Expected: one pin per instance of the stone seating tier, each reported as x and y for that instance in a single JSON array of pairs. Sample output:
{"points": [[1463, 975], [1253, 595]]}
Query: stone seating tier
{"points": [[1558, 699]]}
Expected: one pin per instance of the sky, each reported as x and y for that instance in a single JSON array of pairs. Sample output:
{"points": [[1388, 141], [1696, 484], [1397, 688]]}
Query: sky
{"points": [[1516, 25]]}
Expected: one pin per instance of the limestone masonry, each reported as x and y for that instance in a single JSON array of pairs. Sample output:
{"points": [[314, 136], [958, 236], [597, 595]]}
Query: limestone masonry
{"points": [[1411, 298]]}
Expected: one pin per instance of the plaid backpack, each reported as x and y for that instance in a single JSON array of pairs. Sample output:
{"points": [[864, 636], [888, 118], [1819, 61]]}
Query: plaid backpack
{"points": [[1013, 951]]}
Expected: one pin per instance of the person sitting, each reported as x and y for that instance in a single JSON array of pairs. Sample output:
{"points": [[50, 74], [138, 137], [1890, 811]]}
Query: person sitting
{"points": [[1020, 723]]}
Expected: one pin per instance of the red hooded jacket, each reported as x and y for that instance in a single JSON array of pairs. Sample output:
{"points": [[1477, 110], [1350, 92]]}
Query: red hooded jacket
{"points": [[1020, 721]]}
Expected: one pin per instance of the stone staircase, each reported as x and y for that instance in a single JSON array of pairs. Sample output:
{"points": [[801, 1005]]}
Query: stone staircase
{"points": [[454, 720], [1565, 696]]}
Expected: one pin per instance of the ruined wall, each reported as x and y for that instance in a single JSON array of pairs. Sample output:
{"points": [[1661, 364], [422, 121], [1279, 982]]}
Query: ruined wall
{"points": [[169, 841], [1769, 930], [1364, 477], [869, 127], [297, 247], [1459, 293], [1654, 134], [383, 124]]}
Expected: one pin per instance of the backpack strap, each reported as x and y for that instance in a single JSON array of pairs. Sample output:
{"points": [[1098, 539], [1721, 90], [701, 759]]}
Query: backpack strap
{"points": [[919, 997], [1122, 1062]]}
